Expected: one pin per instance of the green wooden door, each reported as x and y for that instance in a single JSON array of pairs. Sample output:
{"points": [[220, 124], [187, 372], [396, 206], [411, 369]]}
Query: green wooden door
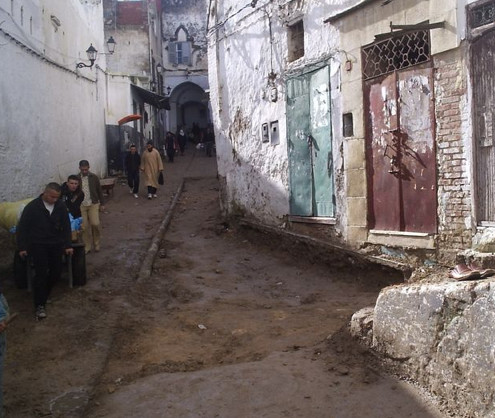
{"points": [[300, 177], [310, 145]]}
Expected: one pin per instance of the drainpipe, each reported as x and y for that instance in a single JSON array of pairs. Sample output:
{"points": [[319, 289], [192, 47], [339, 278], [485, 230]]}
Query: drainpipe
{"points": [[153, 110], [150, 55], [215, 37]]}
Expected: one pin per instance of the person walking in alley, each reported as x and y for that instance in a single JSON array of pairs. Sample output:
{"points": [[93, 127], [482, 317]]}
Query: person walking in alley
{"points": [[91, 206], [151, 166], [44, 234], [132, 164], [182, 140], [209, 139], [72, 195], [170, 146]]}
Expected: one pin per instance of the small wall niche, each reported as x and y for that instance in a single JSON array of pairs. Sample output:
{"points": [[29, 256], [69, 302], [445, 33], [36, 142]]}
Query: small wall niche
{"points": [[274, 133], [347, 125]]}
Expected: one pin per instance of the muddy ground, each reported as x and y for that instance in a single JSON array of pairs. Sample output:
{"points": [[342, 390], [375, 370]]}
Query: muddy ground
{"points": [[230, 323]]}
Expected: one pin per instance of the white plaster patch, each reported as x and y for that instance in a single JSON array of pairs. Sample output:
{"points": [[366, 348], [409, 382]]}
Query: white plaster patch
{"points": [[320, 112]]}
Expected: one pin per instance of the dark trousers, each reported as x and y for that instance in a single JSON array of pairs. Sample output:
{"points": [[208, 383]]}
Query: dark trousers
{"points": [[133, 181], [170, 154], [47, 261], [151, 190], [182, 146], [209, 148]]}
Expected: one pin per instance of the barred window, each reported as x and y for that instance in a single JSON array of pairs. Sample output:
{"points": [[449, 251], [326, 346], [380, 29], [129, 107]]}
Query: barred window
{"points": [[395, 53], [482, 15]]}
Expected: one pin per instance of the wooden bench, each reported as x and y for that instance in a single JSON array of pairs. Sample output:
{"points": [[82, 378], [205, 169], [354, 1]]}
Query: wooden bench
{"points": [[107, 185]]}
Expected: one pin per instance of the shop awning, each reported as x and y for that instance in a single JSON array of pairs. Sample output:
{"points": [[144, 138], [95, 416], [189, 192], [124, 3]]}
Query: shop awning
{"points": [[160, 102], [129, 118]]}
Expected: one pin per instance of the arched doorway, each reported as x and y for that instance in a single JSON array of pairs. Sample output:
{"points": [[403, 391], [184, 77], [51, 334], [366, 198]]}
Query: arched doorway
{"points": [[188, 106]]}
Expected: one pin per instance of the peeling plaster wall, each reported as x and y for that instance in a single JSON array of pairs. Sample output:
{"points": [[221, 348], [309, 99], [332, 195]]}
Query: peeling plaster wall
{"points": [[133, 54], [255, 174], [128, 23], [442, 336], [51, 118]]}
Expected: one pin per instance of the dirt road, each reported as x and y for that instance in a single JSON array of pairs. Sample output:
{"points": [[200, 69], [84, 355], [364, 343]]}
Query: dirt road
{"points": [[228, 324]]}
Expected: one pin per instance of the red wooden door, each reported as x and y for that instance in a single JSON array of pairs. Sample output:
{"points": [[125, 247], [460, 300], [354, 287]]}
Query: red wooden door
{"points": [[401, 151]]}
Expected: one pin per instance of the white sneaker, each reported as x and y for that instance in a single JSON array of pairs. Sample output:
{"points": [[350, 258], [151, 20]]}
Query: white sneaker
{"points": [[155, 196], [135, 195], [130, 190], [40, 312], [149, 195]]}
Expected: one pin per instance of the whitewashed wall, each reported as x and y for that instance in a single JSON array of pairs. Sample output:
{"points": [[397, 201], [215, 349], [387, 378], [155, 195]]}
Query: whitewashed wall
{"points": [[119, 98], [51, 117], [255, 174]]}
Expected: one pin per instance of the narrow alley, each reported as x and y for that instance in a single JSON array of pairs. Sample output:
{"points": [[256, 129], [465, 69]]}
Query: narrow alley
{"points": [[322, 242], [230, 323]]}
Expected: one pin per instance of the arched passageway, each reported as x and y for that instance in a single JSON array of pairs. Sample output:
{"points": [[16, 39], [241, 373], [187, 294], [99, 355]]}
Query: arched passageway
{"points": [[188, 107]]}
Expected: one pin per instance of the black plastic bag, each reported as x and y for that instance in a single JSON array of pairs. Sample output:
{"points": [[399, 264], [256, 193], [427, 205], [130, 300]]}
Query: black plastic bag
{"points": [[160, 178]]}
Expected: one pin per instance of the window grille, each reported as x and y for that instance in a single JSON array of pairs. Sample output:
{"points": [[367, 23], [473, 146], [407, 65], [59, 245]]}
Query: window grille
{"points": [[395, 53], [482, 15]]}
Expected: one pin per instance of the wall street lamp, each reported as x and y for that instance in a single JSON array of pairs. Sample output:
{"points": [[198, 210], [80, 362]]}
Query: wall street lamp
{"points": [[111, 45], [92, 53], [169, 89]]}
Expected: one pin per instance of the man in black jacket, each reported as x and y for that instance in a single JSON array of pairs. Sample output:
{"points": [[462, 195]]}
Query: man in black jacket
{"points": [[72, 195], [44, 235], [132, 163]]}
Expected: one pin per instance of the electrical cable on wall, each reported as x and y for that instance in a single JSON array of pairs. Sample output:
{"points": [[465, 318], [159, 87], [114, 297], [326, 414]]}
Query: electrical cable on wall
{"points": [[41, 46], [251, 4], [272, 74], [40, 56]]}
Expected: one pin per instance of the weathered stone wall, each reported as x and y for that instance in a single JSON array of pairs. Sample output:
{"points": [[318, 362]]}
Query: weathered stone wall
{"points": [[441, 335], [454, 145]]}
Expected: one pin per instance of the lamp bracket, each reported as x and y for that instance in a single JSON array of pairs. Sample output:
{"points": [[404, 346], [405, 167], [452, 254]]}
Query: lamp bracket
{"points": [[82, 65]]}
